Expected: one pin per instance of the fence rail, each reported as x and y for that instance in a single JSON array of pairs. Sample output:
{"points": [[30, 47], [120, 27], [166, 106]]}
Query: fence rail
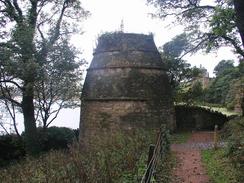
{"points": [[156, 152]]}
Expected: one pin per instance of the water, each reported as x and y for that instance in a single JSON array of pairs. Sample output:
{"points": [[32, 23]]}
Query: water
{"points": [[68, 117]]}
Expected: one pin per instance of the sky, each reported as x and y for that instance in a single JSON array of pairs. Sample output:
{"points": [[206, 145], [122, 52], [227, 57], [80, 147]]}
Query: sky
{"points": [[106, 16]]}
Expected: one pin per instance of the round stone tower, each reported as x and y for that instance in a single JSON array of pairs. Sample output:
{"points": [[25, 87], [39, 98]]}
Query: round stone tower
{"points": [[126, 86]]}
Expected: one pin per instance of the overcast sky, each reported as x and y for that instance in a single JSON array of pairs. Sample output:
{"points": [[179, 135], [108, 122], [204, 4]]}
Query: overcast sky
{"points": [[106, 16]]}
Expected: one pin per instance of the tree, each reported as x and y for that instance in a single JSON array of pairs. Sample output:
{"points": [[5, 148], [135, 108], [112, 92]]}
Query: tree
{"points": [[223, 65], [178, 69], [180, 72], [177, 47], [196, 91], [60, 85], [239, 9], [225, 86], [241, 71], [209, 26], [31, 31]]}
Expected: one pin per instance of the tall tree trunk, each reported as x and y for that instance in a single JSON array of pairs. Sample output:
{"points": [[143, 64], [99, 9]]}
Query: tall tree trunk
{"points": [[31, 139], [239, 8], [242, 106]]}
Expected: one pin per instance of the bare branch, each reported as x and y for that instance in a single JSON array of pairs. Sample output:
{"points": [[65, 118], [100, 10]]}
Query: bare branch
{"points": [[37, 114], [41, 34], [2, 125], [41, 5], [58, 25], [11, 10], [5, 93], [10, 100], [12, 82], [16, 5], [57, 112], [196, 47], [13, 116], [234, 43]]}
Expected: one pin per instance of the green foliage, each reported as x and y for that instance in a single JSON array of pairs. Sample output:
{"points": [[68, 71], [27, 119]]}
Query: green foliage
{"points": [[55, 138], [120, 157], [222, 66], [223, 20], [190, 93], [179, 71], [59, 83], [196, 91], [177, 46], [226, 86], [219, 167], [208, 25], [223, 28]]}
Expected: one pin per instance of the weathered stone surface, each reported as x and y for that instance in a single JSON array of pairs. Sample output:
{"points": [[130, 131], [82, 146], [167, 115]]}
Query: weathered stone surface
{"points": [[126, 86]]}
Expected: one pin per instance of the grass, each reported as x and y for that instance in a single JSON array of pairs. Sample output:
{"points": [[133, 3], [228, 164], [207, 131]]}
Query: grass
{"points": [[164, 173], [219, 167], [180, 137]]}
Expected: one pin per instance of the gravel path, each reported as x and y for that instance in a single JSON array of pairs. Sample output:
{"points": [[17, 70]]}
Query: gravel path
{"points": [[190, 168]]}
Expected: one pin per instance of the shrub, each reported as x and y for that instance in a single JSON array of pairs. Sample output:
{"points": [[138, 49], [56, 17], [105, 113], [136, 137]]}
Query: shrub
{"points": [[56, 138], [12, 148], [233, 132], [77, 133]]}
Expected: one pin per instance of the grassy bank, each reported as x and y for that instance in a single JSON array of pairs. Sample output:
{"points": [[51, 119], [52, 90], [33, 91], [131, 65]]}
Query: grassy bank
{"points": [[120, 158], [219, 167]]}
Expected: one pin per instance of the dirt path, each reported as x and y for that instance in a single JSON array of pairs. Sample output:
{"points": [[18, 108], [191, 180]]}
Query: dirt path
{"points": [[189, 168]]}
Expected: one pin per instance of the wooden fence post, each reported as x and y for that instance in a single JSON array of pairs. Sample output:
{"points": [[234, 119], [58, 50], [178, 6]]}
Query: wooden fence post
{"points": [[149, 163], [215, 136]]}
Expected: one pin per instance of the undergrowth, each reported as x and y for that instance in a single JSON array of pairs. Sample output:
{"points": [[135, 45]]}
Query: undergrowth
{"points": [[226, 165], [233, 133], [220, 168], [119, 158]]}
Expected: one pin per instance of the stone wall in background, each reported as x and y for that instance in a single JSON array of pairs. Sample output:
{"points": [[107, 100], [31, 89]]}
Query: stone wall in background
{"points": [[198, 118]]}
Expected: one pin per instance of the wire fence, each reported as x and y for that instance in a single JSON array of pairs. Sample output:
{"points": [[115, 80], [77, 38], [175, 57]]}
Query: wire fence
{"points": [[156, 152]]}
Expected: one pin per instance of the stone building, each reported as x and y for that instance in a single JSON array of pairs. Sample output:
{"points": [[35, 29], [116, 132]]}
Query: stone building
{"points": [[126, 86], [203, 78]]}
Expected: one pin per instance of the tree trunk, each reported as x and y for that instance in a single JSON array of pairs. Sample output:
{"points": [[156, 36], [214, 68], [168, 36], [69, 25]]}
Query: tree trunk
{"points": [[242, 106], [239, 9], [31, 137]]}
